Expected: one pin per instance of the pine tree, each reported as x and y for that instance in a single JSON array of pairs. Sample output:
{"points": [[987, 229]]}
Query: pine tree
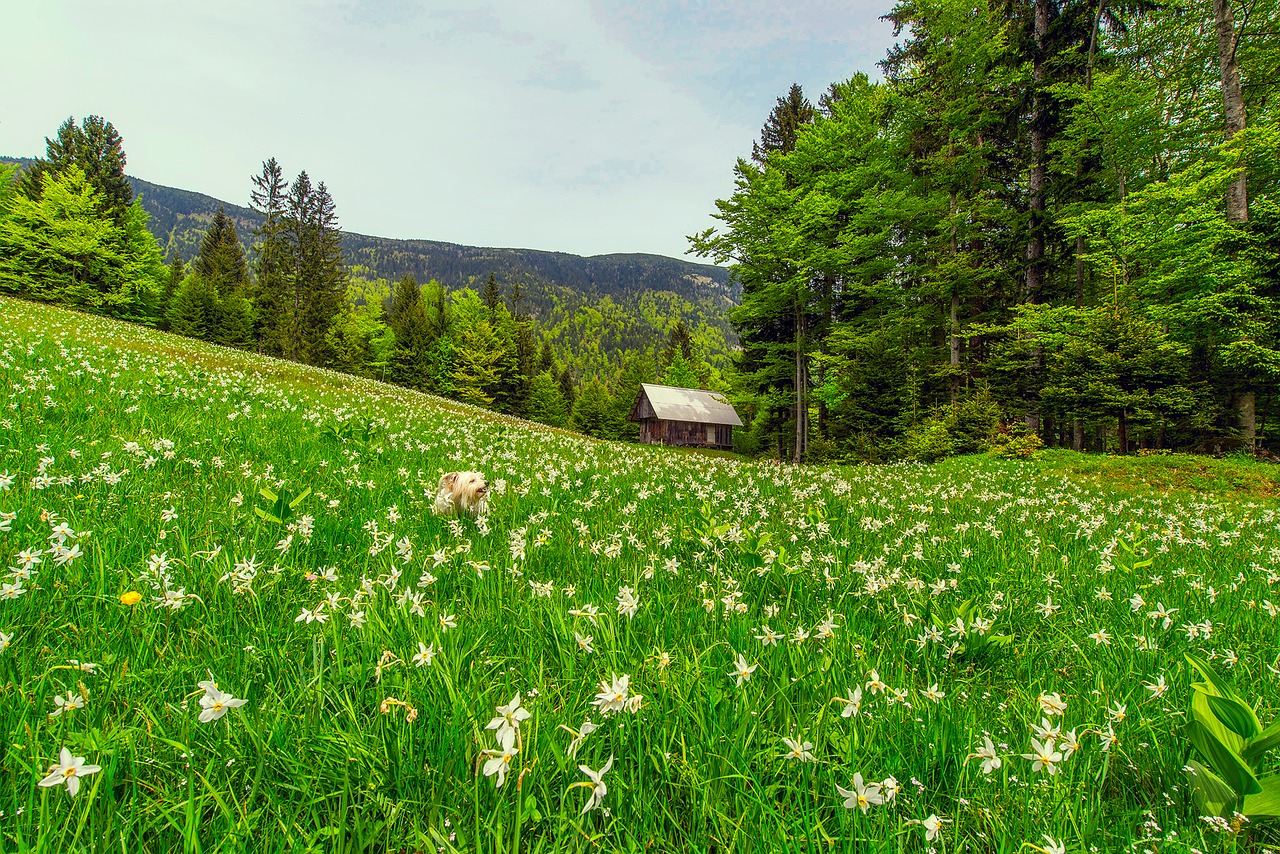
{"points": [[545, 403], [783, 125], [177, 272], [221, 258], [492, 294], [271, 297], [98, 150], [194, 311], [413, 338]]}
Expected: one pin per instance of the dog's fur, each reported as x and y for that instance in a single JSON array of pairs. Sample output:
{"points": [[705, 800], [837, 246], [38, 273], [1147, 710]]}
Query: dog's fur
{"points": [[462, 492]]}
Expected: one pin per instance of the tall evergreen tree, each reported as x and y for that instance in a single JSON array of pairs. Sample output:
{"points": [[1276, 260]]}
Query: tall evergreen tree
{"points": [[97, 149], [273, 303]]}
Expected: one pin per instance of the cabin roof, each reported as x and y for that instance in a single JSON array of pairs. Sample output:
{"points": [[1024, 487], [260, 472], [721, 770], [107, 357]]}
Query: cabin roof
{"points": [[689, 404]]}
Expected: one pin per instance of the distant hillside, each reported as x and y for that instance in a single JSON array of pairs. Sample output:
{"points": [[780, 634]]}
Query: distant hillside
{"points": [[595, 308], [179, 217]]}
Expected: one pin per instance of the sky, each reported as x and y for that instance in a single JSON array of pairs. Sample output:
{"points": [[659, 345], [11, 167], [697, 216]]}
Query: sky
{"points": [[582, 126]]}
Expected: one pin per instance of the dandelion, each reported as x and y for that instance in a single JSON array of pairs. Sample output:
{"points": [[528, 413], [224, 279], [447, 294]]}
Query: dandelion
{"points": [[130, 598], [69, 770], [862, 796], [742, 670]]}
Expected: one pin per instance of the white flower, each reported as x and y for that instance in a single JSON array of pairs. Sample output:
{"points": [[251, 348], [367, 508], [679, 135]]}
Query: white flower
{"points": [[5, 640], [797, 749], [214, 704], [1052, 846], [424, 655], [615, 697], [932, 828], [1052, 704], [69, 703], [500, 759], [509, 718], [69, 770], [628, 602], [987, 753], [852, 705], [596, 784], [742, 670], [1043, 757], [1157, 688], [863, 796]]}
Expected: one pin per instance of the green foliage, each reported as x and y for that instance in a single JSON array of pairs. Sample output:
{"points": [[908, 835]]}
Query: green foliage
{"points": [[1225, 731], [545, 402], [65, 247]]}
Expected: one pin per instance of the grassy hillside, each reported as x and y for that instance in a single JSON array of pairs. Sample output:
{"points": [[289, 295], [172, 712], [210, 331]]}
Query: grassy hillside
{"points": [[749, 605]]}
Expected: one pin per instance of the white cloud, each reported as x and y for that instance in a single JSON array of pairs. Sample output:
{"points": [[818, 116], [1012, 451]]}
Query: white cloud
{"points": [[570, 126]]}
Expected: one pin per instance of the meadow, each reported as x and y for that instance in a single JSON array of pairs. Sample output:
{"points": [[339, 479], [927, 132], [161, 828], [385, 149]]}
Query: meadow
{"points": [[225, 590]]}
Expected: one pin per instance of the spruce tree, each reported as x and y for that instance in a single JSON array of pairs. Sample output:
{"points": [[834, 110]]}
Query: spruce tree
{"points": [[492, 294], [177, 272], [272, 301], [98, 150]]}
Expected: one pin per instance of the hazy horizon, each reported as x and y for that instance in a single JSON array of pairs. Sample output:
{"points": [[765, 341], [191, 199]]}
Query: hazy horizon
{"points": [[586, 127]]}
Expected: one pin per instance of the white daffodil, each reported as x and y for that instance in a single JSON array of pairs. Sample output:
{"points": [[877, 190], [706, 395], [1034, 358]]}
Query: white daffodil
{"points": [[862, 796], [509, 718], [742, 670], [214, 704], [596, 784], [799, 750], [987, 753], [424, 655], [1043, 757], [852, 704], [69, 770], [500, 759]]}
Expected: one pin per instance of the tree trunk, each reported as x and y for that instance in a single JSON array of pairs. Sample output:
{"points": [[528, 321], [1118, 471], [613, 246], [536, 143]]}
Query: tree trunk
{"points": [[1232, 101], [955, 312], [1122, 432], [1036, 185], [802, 403], [1237, 192], [1077, 434]]}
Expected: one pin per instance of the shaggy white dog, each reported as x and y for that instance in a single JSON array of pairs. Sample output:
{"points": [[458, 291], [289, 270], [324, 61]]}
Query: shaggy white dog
{"points": [[462, 492]]}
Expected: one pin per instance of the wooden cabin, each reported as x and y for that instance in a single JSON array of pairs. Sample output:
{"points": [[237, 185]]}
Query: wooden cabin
{"points": [[687, 417]]}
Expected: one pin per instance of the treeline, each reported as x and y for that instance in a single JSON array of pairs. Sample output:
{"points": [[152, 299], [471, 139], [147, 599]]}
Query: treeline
{"points": [[72, 233], [1053, 221]]}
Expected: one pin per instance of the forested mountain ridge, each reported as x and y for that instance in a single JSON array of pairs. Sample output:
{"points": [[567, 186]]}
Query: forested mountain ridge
{"points": [[179, 218]]}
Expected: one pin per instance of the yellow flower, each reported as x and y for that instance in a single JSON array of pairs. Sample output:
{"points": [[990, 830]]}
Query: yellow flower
{"points": [[133, 597]]}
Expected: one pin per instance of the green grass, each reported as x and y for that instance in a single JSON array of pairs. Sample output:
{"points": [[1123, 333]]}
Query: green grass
{"points": [[715, 548]]}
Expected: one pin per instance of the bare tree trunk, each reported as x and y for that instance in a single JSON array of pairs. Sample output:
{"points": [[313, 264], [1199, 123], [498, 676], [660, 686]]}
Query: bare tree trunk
{"points": [[1036, 183], [955, 312], [1232, 101], [1237, 192], [1077, 434], [802, 403], [1122, 432]]}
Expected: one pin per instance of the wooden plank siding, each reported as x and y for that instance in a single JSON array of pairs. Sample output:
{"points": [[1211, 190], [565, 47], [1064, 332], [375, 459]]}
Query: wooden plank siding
{"points": [[655, 431]]}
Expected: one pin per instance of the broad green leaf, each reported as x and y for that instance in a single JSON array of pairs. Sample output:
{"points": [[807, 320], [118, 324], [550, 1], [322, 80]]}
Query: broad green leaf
{"points": [[1266, 740], [293, 505], [1206, 671], [1202, 712], [1211, 793], [1224, 761], [1235, 715], [1264, 804]]}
